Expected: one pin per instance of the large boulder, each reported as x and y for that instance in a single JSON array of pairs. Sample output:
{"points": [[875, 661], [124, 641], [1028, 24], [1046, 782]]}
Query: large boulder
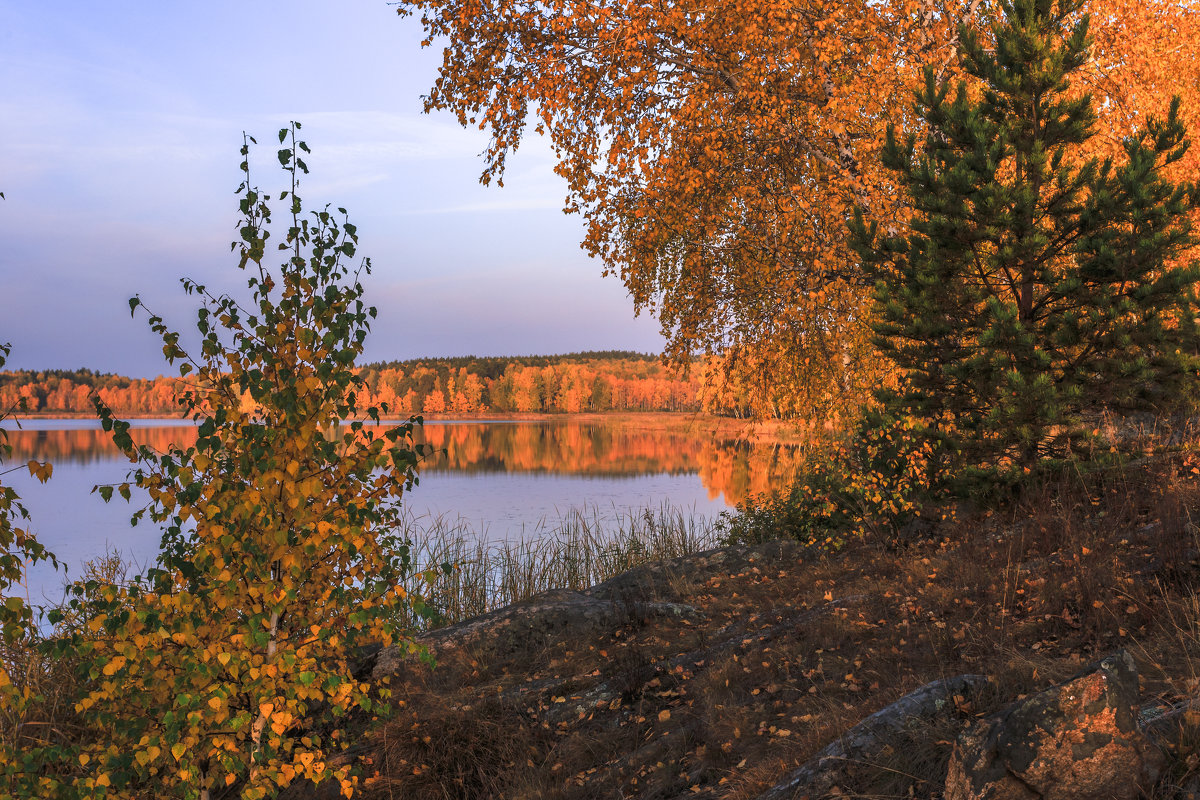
{"points": [[823, 774], [1075, 741]]}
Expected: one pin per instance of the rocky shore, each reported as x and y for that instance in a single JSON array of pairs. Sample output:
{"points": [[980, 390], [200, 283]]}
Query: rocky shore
{"points": [[969, 670]]}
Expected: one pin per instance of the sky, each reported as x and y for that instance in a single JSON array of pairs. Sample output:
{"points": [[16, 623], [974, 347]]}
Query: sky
{"points": [[120, 124]]}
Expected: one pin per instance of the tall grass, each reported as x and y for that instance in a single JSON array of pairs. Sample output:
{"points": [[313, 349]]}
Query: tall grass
{"points": [[584, 547]]}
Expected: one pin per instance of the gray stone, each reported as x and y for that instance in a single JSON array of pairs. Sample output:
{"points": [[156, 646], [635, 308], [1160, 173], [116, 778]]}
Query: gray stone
{"points": [[818, 777]]}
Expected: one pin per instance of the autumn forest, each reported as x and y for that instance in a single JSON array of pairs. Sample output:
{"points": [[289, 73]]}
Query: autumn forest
{"points": [[944, 253], [559, 384], [574, 383]]}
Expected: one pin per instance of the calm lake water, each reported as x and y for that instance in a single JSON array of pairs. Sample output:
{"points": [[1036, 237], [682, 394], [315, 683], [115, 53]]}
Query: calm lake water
{"points": [[504, 479]]}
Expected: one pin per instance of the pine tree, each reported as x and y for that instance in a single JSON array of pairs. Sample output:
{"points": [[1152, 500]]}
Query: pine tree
{"points": [[1033, 285]]}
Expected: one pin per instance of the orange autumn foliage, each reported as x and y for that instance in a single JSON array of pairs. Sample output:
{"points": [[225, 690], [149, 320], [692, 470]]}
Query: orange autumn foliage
{"points": [[715, 150], [562, 384]]}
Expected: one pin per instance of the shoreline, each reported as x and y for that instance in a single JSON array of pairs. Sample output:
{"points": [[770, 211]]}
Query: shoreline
{"points": [[785, 431]]}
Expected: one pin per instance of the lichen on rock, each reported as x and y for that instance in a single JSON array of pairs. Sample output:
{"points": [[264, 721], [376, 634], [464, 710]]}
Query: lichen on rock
{"points": [[1075, 741]]}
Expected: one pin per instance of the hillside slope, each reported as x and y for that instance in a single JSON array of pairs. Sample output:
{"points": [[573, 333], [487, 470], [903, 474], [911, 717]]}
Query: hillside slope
{"points": [[715, 676]]}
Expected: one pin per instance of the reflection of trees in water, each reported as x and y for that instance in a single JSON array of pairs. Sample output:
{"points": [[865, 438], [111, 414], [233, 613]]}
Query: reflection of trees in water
{"points": [[563, 447], [735, 468], [727, 466], [740, 469], [89, 446]]}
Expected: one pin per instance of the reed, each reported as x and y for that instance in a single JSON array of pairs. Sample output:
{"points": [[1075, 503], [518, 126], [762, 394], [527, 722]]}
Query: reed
{"points": [[476, 573]]}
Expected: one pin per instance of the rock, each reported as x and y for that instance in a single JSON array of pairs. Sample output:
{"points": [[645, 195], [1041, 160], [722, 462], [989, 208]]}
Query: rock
{"points": [[655, 578], [821, 774], [555, 615], [561, 614], [1076, 741]]}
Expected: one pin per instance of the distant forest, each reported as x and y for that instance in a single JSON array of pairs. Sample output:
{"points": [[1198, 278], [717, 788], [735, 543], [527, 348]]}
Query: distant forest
{"points": [[608, 380]]}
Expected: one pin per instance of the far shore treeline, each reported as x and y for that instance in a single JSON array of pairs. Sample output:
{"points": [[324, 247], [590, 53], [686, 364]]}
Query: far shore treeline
{"points": [[595, 381]]}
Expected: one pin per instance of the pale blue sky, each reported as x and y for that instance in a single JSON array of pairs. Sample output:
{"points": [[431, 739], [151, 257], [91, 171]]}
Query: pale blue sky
{"points": [[119, 128]]}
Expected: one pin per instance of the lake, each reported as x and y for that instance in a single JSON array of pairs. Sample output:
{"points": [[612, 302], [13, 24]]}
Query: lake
{"points": [[501, 479]]}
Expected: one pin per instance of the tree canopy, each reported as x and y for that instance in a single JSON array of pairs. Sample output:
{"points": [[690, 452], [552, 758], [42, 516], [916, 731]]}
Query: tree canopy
{"points": [[715, 149]]}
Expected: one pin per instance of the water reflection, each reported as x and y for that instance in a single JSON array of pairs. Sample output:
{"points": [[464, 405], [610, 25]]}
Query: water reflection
{"points": [[89, 445], [503, 480], [729, 468]]}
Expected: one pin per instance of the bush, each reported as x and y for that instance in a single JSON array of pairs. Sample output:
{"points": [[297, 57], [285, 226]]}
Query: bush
{"points": [[231, 662], [868, 486]]}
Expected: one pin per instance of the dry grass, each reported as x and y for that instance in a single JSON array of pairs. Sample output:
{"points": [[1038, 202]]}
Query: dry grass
{"points": [[52, 685], [1030, 594], [787, 655], [583, 548], [50, 719]]}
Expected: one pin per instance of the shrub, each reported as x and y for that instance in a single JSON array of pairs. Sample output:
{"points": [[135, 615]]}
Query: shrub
{"points": [[868, 486], [230, 663]]}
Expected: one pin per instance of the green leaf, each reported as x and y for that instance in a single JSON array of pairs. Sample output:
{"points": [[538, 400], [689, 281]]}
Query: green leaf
{"points": [[232, 555]]}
